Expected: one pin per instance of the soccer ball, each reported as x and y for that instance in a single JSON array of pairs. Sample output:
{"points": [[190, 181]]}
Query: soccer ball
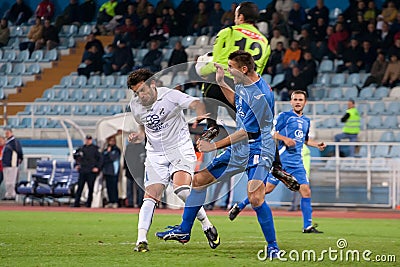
{"points": [[202, 61]]}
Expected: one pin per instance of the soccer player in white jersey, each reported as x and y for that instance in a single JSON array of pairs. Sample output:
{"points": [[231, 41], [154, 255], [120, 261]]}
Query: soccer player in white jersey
{"points": [[170, 151]]}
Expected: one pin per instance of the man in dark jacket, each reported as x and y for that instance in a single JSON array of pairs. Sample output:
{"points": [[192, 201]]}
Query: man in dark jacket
{"points": [[18, 13], [12, 158], [152, 60], [88, 164], [111, 159]]}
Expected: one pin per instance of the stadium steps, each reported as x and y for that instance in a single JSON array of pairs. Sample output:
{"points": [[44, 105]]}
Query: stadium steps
{"points": [[49, 77]]}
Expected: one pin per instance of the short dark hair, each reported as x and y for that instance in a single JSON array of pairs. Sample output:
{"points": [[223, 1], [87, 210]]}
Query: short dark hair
{"points": [[137, 76], [243, 58], [297, 92], [249, 10]]}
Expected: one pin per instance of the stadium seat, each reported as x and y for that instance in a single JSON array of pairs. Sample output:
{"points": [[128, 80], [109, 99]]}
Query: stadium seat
{"points": [[15, 81], [188, 41], [374, 122], [390, 122], [68, 30], [107, 81], [354, 79], [140, 53], [42, 110], [115, 109], [172, 41], [79, 81], [6, 68], [26, 123], [263, 27], [65, 82], [167, 52], [362, 152], [363, 108], [334, 93], [366, 93], [202, 41], [3, 81], [378, 108], [166, 79], [387, 137], [380, 151], [77, 95], [36, 56], [101, 110], [28, 110], [33, 69], [277, 79], [119, 94], [381, 92], [333, 14], [326, 66], [395, 92], [333, 109], [393, 108], [350, 93], [267, 78], [121, 81], [22, 56], [105, 96], [51, 55], [319, 109], [94, 81], [19, 69], [13, 122], [330, 123], [57, 110], [338, 79], [8, 56], [61, 95], [40, 123], [394, 152], [179, 79], [90, 95]]}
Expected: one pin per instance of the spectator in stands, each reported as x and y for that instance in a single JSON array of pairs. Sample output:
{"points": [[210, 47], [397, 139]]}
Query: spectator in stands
{"points": [[34, 35], [70, 15], [292, 56], [150, 14], [108, 55], [106, 14], [152, 60], [389, 13], [283, 7], [372, 36], [277, 37], [392, 74], [319, 11], [355, 9], [161, 4], [297, 17], [186, 11], [319, 43], [395, 47], [215, 17], [50, 38], [307, 67], [386, 38], [178, 57], [352, 60], [174, 23], [11, 159], [18, 13], [228, 18], [278, 23], [305, 39], [200, 20], [377, 71], [141, 9], [337, 42], [395, 27], [122, 60], [274, 65], [131, 13], [142, 34], [87, 11], [371, 12], [126, 32], [351, 127], [160, 32], [135, 154], [4, 32], [91, 40], [368, 56], [122, 7], [2, 143], [92, 62], [294, 81], [45, 10], [89, 166], [111, 166]]}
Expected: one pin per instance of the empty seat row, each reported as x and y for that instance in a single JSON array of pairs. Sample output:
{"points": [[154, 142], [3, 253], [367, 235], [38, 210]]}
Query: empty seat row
{"points": [[94, 81], [373, 122], [70, 110], [23, 56], [20, 69], [10, 82], [81, 95]]}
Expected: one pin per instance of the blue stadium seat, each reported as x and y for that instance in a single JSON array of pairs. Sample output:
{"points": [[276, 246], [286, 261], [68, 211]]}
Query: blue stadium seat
{"points": [[90, 95], [101, 110], [3, 81], [22, 56], [107, 81], [334, 93], [392, 109], [94, 81], [84, 30], [121, 81], [28, 110], [362, 152], [381, 92], [363, 108], [330, 123], [366, 93], [319, 109], [378, 108], [9, 56], [33, 69], [6, 68], [61, 95], [79, 81], [354, 79], [277, 79], [65, 82], [267, 78], [333, 109], [119, 94], [13, 122], [42, 110], [57, 110], [172, 41], [188, 41], [387, 137], [140, 53], [338, 79], [36, 56], [51, 55], [105, 95], [351, 92], [326, 66], [40, 123], [25, 123], [115, 109], [77, 95], [19, 69], [374, 122], [380, 151], [394, 152], [68, 30], [390, 122]]}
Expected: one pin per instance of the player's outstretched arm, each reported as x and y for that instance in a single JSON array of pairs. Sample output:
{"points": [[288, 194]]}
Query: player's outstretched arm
{"points": [[229, 93], [205, 146], [200, 109], [137, 137], [320, 145], [288, 141]]}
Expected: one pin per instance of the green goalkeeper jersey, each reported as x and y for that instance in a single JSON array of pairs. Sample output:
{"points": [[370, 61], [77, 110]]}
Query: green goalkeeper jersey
{"points": [[239, 37]]}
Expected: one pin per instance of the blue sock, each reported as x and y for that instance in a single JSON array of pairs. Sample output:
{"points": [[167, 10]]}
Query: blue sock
{"points": [[306, 209], [264, 216], [193, 204], [244, 203]]}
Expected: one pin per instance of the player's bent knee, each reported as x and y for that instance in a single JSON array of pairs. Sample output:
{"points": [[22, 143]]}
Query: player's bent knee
{"points": [[305, 190]]}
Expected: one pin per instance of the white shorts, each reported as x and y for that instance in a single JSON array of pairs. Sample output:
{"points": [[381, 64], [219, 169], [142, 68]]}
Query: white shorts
{"points": [[159, 167]]}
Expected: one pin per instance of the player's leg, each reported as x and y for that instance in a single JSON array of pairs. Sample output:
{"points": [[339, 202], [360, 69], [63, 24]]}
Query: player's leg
{"points": [[256, 194], [305, 202], [152, 196]]}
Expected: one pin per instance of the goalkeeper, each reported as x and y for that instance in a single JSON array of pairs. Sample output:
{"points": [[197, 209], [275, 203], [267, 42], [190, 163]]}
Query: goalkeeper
{"points": [[292, 129], [243, 36]]}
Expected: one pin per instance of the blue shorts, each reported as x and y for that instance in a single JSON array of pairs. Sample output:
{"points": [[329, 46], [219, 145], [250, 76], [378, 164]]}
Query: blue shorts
{"points": [[228, 164], [298, 173]]}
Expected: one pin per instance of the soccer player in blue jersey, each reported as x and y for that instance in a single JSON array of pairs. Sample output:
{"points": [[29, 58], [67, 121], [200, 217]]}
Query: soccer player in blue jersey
{"points": [[291, 129], [250, 149]]}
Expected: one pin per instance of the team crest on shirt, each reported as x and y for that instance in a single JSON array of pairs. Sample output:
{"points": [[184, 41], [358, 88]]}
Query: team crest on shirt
{"points": [[153, 122]]}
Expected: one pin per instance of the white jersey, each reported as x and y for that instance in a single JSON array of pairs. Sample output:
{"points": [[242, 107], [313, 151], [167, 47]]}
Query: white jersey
{"points": [[164, 121]]}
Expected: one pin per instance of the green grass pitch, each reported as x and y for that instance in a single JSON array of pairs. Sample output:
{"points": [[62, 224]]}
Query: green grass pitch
{"points": [[107, 239]]}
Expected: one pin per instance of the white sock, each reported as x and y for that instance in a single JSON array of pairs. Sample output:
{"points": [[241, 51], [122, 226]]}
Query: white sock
{"points": [[145, 218], [183, 192]]}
